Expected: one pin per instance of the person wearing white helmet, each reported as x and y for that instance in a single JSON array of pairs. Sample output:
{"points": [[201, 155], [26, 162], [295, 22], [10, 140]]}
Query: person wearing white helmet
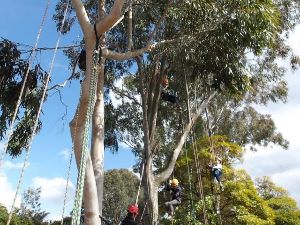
{"points": [[175, 191], [217, 171]]}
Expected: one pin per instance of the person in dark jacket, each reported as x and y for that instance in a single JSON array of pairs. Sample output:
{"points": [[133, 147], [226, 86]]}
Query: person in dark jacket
{"points": [[132, 212], [175, 191]]}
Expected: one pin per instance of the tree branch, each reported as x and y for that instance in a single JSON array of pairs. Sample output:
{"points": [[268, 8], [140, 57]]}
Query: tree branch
{"points": [[130, 41], [168, 171], [83, 18], [107, 23], [68, 79], [122, 93], [159, 22]]}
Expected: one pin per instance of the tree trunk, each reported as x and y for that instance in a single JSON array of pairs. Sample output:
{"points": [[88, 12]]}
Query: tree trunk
{"points": [[93, 188], [77, 132], [151, 196], [98, 136]]}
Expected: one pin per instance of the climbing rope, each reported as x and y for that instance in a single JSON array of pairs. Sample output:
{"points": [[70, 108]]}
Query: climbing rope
{"points": [[140, 184], [197, 165], [28, 147], [186, 151], [67, 186], [84, 153], [218, 196], [199, 177], [30, 62]]}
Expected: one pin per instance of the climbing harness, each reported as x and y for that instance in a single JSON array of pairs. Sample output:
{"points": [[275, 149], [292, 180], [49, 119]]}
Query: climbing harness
{"points": [[30, 62], [28, 147], [84, 153]]}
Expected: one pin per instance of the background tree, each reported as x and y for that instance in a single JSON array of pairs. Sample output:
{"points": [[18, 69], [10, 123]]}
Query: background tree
{"points": [[120, 190], [13, 68], [31, 207], [285, 207], [16, 218], [241, 202]]}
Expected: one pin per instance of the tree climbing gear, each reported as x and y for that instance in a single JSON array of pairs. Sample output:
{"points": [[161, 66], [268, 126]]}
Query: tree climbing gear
{"points": [[88, 117], [133, 208], [174, 182], [30, 62], [38, 115], [165, 82]]}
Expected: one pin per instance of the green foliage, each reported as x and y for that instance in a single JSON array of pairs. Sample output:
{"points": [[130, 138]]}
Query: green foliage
{"points": [[285, 208], [16, 219], [247, 126], [31, 207], [120, 190], [12, 72]]}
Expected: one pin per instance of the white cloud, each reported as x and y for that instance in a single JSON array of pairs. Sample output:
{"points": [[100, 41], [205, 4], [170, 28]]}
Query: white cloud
{"points": [[53, 190], [282, 165], [7, 193], [290, 181], [294, 40], [53, 194], [65, 153], [123, 145], [10, 165]]}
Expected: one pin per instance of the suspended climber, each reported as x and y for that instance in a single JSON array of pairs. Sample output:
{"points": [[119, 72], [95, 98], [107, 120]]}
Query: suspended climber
{"points": [[175, 197], [82, 60], [217, 171], [132, 212], [165, 95]]}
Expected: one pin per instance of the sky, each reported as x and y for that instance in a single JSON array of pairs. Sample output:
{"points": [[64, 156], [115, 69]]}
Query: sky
{"points": [[50, 151]]}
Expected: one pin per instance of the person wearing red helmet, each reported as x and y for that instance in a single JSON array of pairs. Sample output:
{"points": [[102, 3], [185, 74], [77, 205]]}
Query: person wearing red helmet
{"points": [[132, 212]]}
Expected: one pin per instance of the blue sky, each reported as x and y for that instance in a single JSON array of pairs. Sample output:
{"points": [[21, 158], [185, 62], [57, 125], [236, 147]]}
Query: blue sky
{"points": [[19, 22]]}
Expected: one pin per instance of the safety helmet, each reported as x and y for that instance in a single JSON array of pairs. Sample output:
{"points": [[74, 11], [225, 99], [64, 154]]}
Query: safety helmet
{"points": [[165, 82], [174, 182], [133, 208]]}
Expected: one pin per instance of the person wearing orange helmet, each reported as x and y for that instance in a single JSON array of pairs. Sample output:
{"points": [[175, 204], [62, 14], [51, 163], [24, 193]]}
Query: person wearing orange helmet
{"points": [[175, 198], [166, 96], [132, 212], [165, 83]]}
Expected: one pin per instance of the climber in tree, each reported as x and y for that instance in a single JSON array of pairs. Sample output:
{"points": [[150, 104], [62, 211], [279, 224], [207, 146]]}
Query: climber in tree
{"points": [[132, 212], [82, 60], [217, 171], [175, 198], [165, 96]]}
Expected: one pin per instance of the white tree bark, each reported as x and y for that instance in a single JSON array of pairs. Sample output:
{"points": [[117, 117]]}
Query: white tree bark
{"points": [[93, 192], [77, 130], [98, 137]]}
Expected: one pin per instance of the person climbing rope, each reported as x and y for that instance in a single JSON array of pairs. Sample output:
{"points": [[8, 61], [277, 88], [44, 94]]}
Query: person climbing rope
{"points": [[165, 83], [132, 212], [165, 95], [82, 60], [175, 191], [217, 171]]}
